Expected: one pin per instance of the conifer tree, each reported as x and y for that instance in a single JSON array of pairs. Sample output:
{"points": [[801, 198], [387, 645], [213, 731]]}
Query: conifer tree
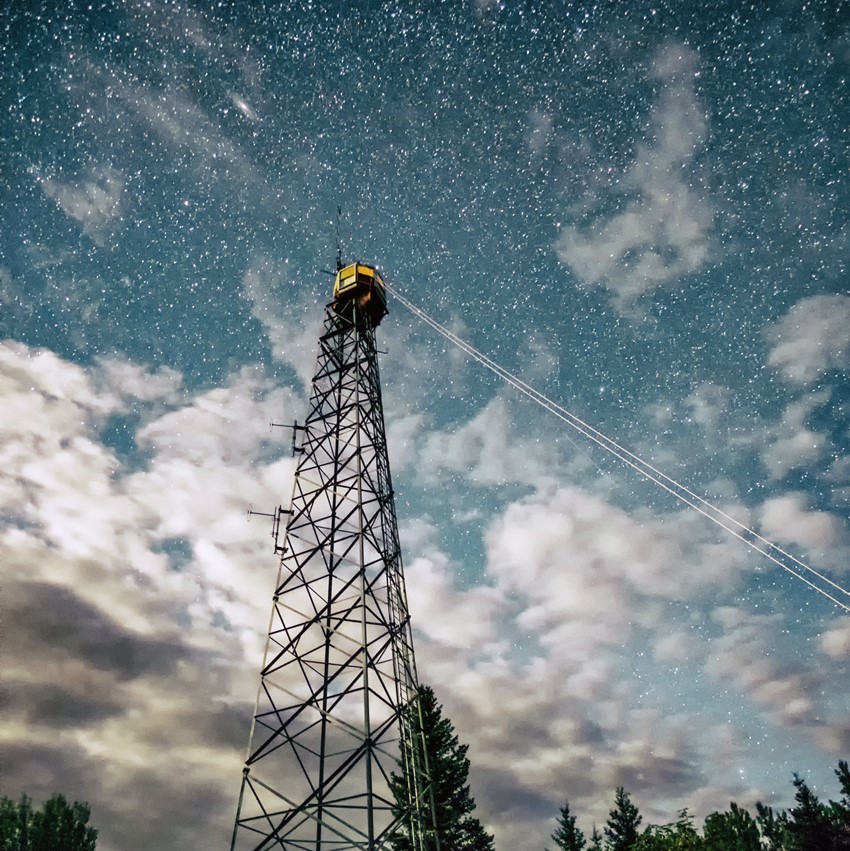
{"points": [[843, 775], [621, 829], [809, 823], [841, 809], [567, 836], [456, 827], [595, 840]]}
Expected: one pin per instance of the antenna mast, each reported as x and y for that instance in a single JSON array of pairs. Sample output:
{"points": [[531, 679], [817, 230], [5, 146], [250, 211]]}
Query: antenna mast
{"points": [[338, 241]]}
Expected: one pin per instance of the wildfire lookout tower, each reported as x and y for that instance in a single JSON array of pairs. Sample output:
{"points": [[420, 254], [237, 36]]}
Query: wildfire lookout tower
{"points": [[337, 712]]}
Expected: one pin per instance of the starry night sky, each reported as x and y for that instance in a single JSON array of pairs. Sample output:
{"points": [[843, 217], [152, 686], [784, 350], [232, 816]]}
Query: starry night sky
{"points": [[643, 210]]}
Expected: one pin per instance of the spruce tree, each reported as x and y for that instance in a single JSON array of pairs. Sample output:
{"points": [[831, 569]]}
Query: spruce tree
{"points": [[595, 840], [843, 775], [567, 837], [841, 809], [621, 829], [809, 823], [456, 827]]}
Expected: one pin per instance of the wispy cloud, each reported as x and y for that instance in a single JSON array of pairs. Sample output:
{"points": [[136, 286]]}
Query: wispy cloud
{"points": [[95, 199], [812, 338], [742, 658], [292, 330], [662, 232], [791, 444]]}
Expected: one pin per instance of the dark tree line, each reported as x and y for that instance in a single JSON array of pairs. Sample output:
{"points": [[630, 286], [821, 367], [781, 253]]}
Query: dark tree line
{"points": [[810, 825], [57, 826]]}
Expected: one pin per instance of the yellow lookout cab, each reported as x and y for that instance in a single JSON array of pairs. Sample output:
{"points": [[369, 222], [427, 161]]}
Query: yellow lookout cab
{"points": [[363, 286]]}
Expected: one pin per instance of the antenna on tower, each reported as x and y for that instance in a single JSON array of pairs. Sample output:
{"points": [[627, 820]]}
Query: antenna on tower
{"points": [[339, 263], [338, 242]]}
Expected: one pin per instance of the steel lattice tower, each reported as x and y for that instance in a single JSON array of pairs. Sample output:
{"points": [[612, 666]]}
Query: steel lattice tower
{"points": [[336, 711]]}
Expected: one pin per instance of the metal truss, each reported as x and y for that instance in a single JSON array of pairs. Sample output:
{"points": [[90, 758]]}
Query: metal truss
{"points": [[337, 702]]}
